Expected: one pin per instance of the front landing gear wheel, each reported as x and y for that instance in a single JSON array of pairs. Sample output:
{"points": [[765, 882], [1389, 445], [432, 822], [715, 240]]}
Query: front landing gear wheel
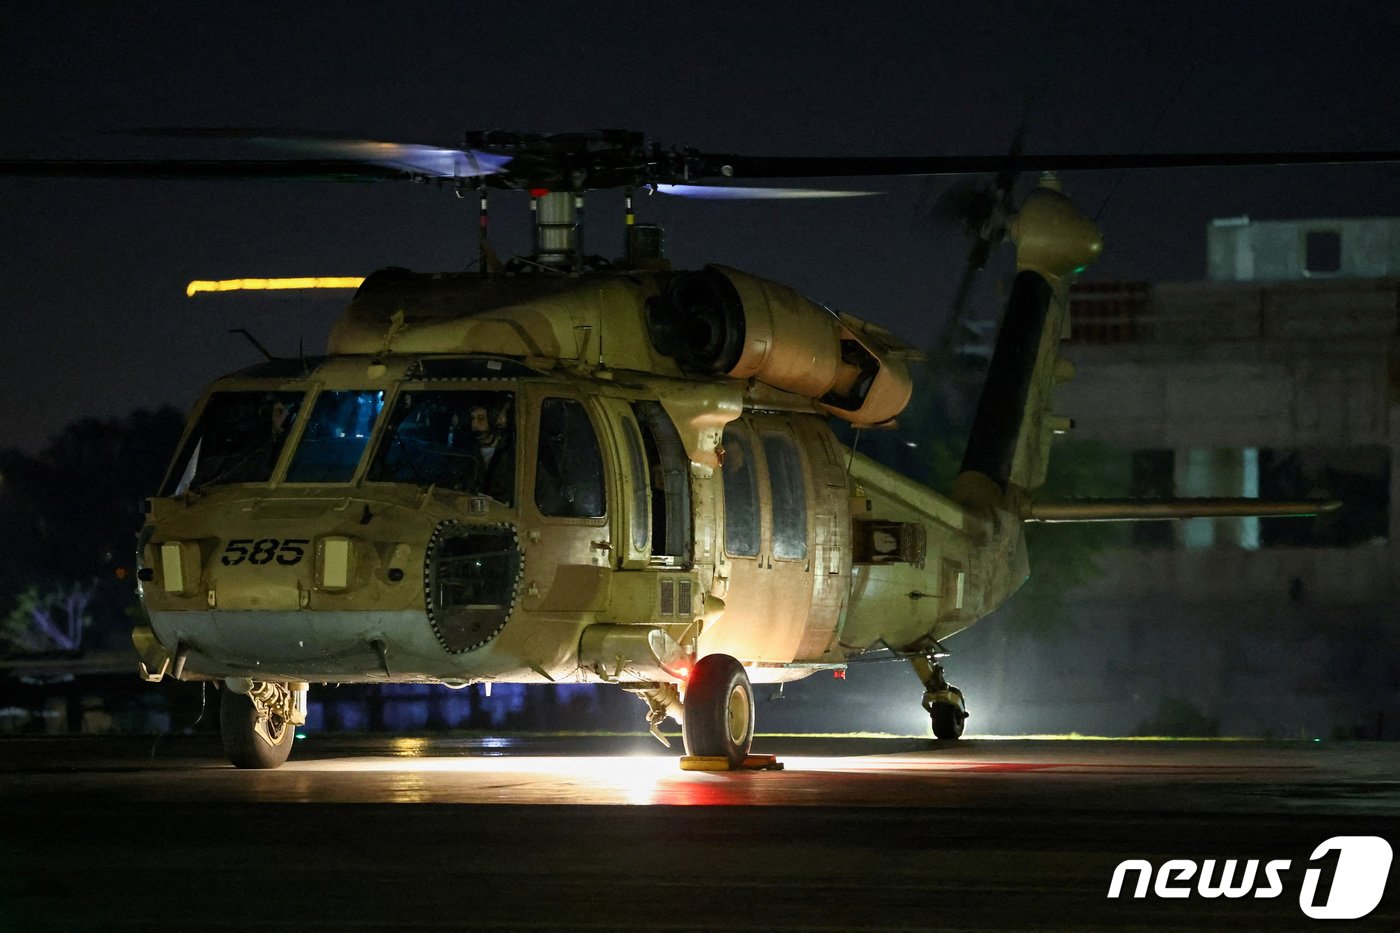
{"points": [[244, 741], [719, 710]]}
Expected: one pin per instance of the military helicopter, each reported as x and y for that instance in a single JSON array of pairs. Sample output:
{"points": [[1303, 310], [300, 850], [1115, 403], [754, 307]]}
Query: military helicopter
{"points": [[562, 469]]}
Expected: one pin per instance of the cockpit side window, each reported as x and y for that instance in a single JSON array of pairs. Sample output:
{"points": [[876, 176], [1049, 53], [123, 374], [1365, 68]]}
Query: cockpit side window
{"points": [[639, 508], [569, 469], [238, 439], [672, 533], [336, 436], [458, 439]]}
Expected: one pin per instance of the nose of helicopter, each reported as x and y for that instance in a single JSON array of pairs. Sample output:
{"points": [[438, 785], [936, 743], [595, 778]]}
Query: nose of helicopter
{"points": [[332, 589]]}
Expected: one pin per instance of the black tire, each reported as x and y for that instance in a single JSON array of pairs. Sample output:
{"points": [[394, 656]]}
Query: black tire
{"points": [[947, 721], [719, 709], [244, 747]]}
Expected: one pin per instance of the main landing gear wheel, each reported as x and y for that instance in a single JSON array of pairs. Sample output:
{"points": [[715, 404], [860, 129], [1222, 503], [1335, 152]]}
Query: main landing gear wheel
{"points": [[251, 739], [719, 710]]}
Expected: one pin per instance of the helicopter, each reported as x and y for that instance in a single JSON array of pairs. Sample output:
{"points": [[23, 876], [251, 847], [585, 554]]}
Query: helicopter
{"points": [[563, 469]]}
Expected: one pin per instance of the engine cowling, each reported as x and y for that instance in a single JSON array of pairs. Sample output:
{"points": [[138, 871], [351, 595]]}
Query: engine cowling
{"points": [[723, 322]]}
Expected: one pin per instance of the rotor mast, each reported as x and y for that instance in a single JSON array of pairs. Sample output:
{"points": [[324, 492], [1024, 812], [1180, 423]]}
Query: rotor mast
{"points": [[558, 239]]}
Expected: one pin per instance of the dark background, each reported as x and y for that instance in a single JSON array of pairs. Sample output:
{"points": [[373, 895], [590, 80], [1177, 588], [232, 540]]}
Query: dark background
{"points": [[94, 271]]}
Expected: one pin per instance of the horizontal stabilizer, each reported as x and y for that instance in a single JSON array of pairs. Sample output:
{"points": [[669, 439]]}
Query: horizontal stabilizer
{"points": [[1150, 510]]}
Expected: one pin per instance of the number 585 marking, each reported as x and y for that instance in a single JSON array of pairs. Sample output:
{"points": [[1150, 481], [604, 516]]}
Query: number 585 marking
{"points": [[264, 551]]}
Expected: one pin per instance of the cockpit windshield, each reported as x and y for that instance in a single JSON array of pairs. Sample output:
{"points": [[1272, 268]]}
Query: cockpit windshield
{"points": [[336, 436], [238, 439], [452, 439]]}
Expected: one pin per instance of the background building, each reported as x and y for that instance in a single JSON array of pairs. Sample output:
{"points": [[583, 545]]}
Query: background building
{"points": [[1276, 377]]}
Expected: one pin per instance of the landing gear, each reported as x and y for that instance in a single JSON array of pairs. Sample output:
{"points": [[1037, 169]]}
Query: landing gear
{"points": [[948, 719], [942, 701], [719, 710], [258, 720]]}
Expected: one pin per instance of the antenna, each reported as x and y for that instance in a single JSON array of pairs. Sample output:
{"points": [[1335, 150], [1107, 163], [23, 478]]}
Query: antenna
{"points": [[254, 341]]}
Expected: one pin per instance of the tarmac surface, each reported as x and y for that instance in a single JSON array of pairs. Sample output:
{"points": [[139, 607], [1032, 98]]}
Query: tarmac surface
{"points": [[607, 833]]}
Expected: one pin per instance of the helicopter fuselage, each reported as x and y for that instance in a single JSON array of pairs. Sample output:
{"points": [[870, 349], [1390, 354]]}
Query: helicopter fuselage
{"points": [[475, 516]]}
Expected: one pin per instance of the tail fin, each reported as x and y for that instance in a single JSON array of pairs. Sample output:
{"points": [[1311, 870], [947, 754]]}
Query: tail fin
{"points": [[1009, 447]]}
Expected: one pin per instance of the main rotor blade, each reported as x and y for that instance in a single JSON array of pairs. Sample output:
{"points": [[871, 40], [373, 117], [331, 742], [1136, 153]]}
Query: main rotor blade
{"points": [[729, 193], [740, 166], [339, 170], [518, 165], [417, 158], [428, 161]]}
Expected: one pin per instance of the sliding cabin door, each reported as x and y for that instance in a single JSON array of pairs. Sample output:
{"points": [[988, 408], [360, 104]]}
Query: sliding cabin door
{"points": [[765, 570]]}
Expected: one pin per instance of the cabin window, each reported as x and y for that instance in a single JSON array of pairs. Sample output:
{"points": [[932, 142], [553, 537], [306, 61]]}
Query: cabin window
{"points": [[788, 488], [569, 467], [336, 436], [741, 525], [452, 439], [238, 439], [669, 473], [640, 523]]}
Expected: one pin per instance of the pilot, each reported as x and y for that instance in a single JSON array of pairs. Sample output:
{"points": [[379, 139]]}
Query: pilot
{"points": [[471, 446], [483, 433], [266, 450], [278, 415], [491, 432]]}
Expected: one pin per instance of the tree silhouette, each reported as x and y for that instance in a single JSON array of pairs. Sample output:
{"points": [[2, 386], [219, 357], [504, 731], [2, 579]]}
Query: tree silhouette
{"points": [[71, 513], [48, 620]]}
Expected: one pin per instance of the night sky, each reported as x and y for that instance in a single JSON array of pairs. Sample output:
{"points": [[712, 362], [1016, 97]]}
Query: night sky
{"points": [[94, 271]]}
